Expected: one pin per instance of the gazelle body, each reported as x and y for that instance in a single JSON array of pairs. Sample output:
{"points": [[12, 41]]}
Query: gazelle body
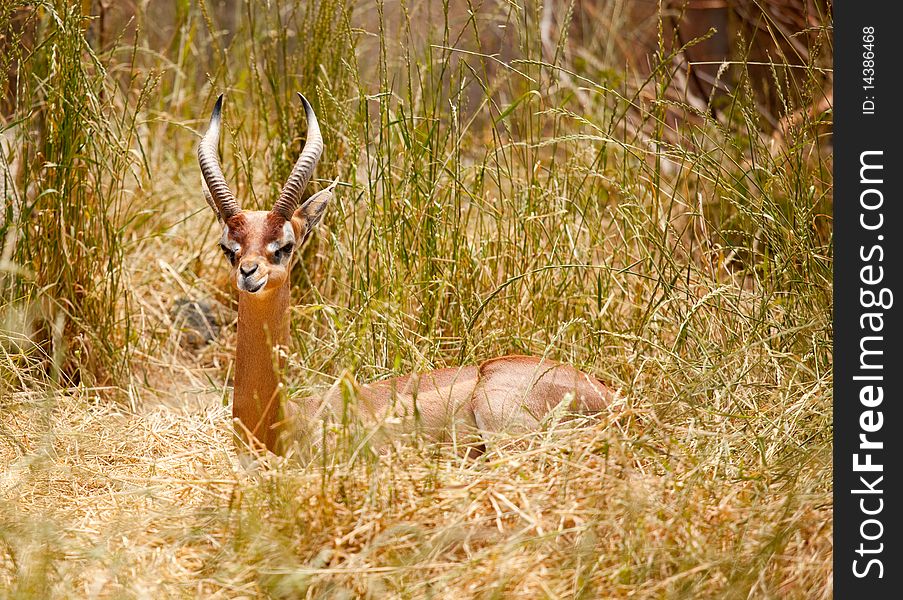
{"points": [[463, 404], [468, 405]]}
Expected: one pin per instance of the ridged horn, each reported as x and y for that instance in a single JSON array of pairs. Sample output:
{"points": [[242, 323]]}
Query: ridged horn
{"points": [[304, 167], [223, 200]]}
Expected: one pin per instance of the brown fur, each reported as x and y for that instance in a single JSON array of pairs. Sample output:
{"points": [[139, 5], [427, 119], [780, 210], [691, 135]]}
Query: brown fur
{"points": [[470, 404], [257, 399], [466, 405], [262, 325]]}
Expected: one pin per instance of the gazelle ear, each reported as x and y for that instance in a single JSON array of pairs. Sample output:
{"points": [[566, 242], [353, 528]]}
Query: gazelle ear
{"points": [[307, 216]]}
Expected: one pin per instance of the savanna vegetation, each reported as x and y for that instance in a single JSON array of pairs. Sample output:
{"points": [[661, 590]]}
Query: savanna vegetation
{"points": [[547, 178]]}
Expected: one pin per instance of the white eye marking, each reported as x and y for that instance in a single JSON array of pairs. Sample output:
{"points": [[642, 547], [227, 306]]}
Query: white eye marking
{"points": [[227, 243], [283, 248], [229, 247], [288, 237]]}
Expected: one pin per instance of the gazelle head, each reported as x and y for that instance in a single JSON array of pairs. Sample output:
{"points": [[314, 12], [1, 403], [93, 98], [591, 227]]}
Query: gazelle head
{"points": [[260, 245]]}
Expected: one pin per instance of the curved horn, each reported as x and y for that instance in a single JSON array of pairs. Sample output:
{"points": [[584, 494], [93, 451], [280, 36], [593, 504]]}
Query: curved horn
{"points": [[304, 167], [223, 200]]}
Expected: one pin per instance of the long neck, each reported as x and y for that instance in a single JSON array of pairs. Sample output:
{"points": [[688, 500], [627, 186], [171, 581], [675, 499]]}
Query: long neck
{"points": [[257, 400]]}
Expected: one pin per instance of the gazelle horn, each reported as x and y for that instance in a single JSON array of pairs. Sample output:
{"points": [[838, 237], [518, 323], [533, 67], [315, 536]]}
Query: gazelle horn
{"points": [[223, 201], [304, 167]]}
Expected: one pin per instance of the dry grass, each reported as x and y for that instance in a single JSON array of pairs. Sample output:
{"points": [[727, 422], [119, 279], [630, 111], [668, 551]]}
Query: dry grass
{"points": [[100, 501], [502, 194]]}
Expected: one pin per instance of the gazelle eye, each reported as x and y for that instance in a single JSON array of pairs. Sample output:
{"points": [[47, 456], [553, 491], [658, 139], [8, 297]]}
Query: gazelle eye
{"points": [[280, 254], [230, 254]]}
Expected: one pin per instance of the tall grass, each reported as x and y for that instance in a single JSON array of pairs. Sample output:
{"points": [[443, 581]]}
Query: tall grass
{"points": [[77, 153], [505, 189]]}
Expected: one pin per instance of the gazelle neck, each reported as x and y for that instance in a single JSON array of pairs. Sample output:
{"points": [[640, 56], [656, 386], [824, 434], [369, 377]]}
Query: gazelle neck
{"points": [[257, 400]]}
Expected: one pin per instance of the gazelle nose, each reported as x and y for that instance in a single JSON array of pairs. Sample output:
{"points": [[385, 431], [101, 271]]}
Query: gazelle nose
{"points": [[247, 269]]}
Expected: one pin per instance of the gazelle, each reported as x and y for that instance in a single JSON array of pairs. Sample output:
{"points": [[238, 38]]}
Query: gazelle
{"points": [[467, 403]]}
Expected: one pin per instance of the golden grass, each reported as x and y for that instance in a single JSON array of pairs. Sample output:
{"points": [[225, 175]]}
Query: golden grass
{"points": [[153, 504], [493, 202]]}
